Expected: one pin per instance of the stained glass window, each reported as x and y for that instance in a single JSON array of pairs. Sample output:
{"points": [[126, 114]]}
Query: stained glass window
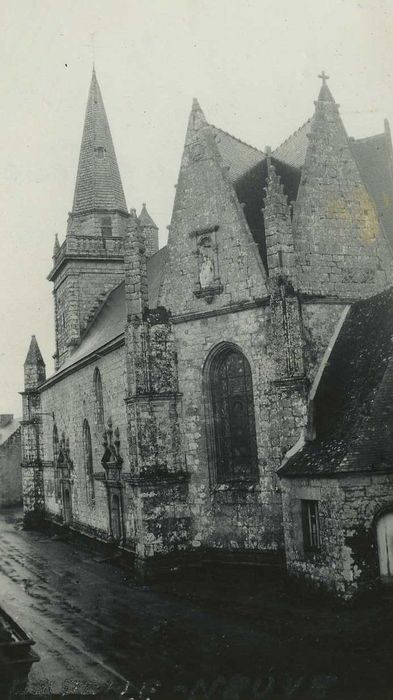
{"points": [[233, 418], [88, 460]]}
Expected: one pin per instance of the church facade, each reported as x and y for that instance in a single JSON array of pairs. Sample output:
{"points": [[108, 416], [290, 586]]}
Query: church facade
{"points": [[187, 379]]}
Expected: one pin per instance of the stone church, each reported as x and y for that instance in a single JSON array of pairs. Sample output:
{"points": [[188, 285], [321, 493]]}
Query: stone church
{"points": [[230, 393]]}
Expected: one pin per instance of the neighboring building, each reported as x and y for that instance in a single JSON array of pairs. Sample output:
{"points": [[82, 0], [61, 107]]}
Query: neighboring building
{"points": [[10, 461], [183, 374]]}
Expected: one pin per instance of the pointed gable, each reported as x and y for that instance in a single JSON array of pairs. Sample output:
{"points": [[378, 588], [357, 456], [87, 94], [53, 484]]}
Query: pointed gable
{"points": [[341, 248], [212, 256], [98, 184]]}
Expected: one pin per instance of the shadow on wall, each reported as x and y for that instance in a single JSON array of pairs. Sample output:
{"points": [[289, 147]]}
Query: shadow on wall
{"points": [[10, 460]]}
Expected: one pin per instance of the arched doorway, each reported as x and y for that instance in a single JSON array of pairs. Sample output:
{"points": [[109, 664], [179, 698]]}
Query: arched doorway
{"points": [[116, 518], [67, 505], [385, 546]]}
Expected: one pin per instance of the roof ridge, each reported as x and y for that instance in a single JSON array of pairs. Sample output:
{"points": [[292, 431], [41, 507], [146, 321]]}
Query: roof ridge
{"points": [[254, 148], [293, 134], [366, 138]]}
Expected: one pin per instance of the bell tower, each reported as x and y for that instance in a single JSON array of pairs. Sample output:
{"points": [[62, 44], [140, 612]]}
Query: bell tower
{"points": [[90, 262]]}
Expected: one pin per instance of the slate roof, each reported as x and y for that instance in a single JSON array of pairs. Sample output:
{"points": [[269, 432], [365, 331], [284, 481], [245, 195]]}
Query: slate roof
{"points": [[293, 149], [110, 319], [353, 407], [98, 184], [374, 161], [237, 155], [248, 173], [6, 431]]}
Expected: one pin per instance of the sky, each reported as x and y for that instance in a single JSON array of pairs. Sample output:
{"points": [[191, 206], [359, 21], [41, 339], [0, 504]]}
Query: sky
{"points": [[253, 65]]}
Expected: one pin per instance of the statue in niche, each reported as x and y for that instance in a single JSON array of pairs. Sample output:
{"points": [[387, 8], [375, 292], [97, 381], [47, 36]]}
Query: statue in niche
{"points": [[206, 266]]}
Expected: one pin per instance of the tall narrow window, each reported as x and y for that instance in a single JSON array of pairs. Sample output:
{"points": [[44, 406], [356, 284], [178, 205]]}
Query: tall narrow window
{"points": [[310, 517], [88, 461], [232, 426], [56, 469], [99, 401]]}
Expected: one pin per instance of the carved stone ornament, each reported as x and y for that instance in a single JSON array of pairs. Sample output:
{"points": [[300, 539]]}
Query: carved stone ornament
{"points": [[64, 462], [208, 284], [112, 459]]}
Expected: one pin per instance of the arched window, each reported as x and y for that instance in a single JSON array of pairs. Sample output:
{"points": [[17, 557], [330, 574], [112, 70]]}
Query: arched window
{"points": [[231, 419], [88, 461], [98, 399], [56, 470]]}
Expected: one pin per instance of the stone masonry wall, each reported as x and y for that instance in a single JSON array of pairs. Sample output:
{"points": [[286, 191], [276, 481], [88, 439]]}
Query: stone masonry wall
{"points": [[72, 400], [78, 289], [225, 517], [347, 563], [10, 470], [319, 323]]}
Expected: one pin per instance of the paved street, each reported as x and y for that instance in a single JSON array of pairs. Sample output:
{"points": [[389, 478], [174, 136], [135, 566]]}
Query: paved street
{"points": [[210, 635], [95, 632]]}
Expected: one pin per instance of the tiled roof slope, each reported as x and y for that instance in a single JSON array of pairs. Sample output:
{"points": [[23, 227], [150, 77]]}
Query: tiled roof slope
{"points": [[374, 160], [353, 407], [293, 149], [238, 156], [8, 430], [98, 183], [247, 169], [110, 320]]}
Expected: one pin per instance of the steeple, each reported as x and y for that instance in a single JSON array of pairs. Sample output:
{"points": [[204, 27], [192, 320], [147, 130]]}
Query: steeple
{"points": [[98, 184], [90, 262]]}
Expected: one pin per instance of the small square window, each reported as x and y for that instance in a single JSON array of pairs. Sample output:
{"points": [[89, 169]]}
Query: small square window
{"points": [[100, 151], [311, 531]]}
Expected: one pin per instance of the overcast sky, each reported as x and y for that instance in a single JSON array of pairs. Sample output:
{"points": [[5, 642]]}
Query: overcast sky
{"points": [[253, 65]]}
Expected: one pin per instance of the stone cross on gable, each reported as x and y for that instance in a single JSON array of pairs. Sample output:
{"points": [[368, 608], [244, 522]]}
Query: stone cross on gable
{"points": [[323, 77]]}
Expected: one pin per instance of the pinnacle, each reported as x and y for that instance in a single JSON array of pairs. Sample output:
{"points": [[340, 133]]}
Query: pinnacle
{"points": [[145, 218], [34, 356], [98, 183], [197, 117], [56, 246], [325, 95]]}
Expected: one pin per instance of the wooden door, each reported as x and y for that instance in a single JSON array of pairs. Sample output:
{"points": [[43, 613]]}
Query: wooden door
{"points": [[385, 546], [116, 518], [67, 506]]}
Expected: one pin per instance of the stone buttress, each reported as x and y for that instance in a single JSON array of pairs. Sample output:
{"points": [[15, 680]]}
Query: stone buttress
{"points": [[289, 386], [158, 479]]}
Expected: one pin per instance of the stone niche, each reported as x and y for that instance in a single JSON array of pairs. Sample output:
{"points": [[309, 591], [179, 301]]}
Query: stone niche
{"points": [[207, 279]]}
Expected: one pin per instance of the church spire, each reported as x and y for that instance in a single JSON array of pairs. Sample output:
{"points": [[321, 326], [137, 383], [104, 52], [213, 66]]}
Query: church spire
{"points": [[98, 184]]}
